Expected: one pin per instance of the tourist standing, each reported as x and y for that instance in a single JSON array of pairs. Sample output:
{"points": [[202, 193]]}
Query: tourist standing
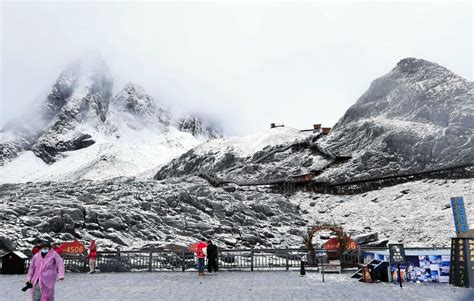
{"points": [[200, 254], [211, 257], [36, 248], [92, 256], [45, 267]]}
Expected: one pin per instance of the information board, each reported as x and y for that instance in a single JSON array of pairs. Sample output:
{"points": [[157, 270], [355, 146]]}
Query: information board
{"points": [[397, 253], [462, 262]]}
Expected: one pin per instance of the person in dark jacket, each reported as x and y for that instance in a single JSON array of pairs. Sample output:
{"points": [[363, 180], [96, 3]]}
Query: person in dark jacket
{"points": [[211, 257]]}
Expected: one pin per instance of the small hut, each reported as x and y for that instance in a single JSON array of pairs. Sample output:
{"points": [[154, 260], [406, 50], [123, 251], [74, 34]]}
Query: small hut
{"points": [[13, 263]]}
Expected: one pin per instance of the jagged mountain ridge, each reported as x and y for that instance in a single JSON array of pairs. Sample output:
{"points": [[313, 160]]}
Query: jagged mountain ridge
{"points": [[418, 116], [80, 118]]}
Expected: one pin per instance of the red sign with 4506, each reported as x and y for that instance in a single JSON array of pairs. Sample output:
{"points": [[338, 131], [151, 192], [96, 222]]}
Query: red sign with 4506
{"points": [[335, 243], [74, 247]]}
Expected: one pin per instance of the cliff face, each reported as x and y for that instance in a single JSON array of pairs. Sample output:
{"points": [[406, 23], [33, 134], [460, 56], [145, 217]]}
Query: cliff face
{"points": [[418, 116]]}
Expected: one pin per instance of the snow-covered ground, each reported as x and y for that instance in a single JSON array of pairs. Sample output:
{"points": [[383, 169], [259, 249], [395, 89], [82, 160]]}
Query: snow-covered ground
{"points": [[249, 145], [417, 214], [133, 153], [231, 286]]}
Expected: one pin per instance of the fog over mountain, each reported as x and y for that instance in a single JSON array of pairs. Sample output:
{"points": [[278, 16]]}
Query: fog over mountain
{"points": [[245, 64]]}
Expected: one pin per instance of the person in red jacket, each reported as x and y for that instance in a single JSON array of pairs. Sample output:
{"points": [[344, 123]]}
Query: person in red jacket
{"points": [[55, 248], [201, 255], [92, 256], [36, 248]]}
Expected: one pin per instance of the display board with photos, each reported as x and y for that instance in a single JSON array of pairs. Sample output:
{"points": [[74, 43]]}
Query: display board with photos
{"points": [[417, 268], [424, 268]]}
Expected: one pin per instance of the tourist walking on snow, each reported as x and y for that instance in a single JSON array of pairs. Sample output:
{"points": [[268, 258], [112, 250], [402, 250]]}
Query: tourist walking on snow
{"points": [[45, 267], [201, 255], [92, 256], [211, 257]]}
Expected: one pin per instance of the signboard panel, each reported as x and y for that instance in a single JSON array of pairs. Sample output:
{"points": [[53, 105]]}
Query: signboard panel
{"points": [[397, 253], [470, 261], [460, 218], [74, 247], [334, 244], [462, 262], [453, 268]]}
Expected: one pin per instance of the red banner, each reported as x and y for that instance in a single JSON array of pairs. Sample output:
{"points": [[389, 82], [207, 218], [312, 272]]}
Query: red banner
{"points": [[334, 244], [74, 247]]}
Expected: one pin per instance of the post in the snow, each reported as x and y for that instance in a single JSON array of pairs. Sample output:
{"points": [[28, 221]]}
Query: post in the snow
{"points": [[302, 269]]}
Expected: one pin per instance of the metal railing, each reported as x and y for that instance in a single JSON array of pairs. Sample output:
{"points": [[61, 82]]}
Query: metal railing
{"points": [[229, 259]]}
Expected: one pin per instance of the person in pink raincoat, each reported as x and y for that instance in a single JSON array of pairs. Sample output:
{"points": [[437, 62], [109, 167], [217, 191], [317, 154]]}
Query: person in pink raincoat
{"points": [[45, 267]]}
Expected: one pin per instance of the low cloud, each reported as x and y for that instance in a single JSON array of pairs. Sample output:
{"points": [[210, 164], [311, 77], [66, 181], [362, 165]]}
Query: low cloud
{"points": [[246, 65]]}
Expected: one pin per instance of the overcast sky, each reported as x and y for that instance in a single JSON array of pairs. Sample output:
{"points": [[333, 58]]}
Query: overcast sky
{"points": [[246, 64]]}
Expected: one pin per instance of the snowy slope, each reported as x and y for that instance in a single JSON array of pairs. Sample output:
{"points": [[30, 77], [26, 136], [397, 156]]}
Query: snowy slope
{"points": [[135, 213], [417, 214], [248, 145], [109, 157], [264, 155]]}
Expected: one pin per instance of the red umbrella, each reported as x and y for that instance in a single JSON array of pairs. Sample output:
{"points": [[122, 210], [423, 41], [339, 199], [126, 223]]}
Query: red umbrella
{"points": [[193, 247]]}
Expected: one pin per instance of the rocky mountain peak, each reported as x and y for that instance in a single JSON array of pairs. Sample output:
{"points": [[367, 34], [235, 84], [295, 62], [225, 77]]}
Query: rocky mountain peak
{"points": [[141, 108], [82, 90], [134, 100], [199, 126], [411, 65], [418, 116], [416, 90]]}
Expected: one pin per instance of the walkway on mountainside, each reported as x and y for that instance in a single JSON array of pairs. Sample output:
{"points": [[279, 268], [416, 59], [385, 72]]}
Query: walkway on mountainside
{"points": [[356, 186], [299, 145]]}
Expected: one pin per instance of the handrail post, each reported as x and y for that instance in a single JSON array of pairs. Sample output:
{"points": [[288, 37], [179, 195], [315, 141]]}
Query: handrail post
{"points": [[117, 260], [85, 259], [251, 260], [287, 260], [359, 259], [150, 259], [183, 266]]}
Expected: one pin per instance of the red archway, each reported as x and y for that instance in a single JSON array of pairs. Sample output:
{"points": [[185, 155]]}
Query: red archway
{"points": [[339, 243]]}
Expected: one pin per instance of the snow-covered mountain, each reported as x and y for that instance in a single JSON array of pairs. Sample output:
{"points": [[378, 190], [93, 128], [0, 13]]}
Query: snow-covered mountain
{"points": [[80, 130], [419, 116]]}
